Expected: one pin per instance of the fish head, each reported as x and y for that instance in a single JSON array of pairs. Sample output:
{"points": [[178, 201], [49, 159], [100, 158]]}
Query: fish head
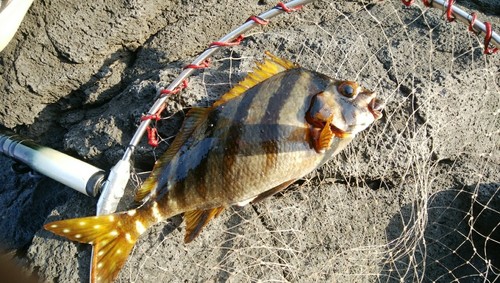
{"points": [[347, 106]]}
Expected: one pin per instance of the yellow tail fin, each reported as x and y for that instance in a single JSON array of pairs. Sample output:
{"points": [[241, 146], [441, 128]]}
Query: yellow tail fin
{"points": [[113, 237]]}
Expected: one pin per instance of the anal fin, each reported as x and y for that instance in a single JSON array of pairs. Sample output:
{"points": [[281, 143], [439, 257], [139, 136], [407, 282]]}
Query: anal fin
{"points": [[197, 219], [273, 191]]}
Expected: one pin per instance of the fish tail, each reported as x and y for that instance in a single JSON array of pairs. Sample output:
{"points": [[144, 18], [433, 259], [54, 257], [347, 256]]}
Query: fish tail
{"points": [[112, 236]]}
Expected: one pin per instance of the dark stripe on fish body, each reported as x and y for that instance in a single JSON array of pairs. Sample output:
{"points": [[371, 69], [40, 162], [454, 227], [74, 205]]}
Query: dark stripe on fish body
{"points": [[212, 120], [271, 116], [203, 166], [275, 106], [234, 133], [280, 97], [177, 194]]}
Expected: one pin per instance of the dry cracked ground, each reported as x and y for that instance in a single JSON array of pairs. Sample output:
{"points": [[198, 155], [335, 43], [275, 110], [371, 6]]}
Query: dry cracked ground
{"points": [[413, 198]]}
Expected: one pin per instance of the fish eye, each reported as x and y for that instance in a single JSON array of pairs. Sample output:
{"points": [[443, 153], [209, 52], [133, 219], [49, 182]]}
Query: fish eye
{"points": [[348, 89]]}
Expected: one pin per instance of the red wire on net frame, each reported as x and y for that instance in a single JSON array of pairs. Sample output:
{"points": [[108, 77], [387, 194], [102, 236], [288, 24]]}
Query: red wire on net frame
{"points": [[258, 20], [205, 64], [176, 90], [152, 136], [487, 39], [449, 11], [451, 17], [152, 132], [240, 38], [283, 7], [408, 3], [236, 41], [471, 23]]}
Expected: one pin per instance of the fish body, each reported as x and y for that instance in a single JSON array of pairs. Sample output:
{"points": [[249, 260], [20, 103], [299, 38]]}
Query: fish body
{"points": [[245, 146], [274, 127]]}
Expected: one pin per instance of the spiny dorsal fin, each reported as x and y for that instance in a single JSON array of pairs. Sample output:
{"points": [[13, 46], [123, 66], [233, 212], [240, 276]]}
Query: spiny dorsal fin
{"points": [[263, 71], [197, 219], [194, 117]]}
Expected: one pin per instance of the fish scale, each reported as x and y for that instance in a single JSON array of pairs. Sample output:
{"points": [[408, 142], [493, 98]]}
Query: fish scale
{"points": [[277, 125]]}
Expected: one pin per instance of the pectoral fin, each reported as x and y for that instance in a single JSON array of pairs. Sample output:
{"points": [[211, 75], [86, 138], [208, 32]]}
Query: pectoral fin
{"points": [[326, 136], [197, 219], [322, 138], [273, 191]]}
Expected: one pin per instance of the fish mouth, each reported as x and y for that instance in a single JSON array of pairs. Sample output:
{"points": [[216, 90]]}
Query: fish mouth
{"points": [[375, 107]]}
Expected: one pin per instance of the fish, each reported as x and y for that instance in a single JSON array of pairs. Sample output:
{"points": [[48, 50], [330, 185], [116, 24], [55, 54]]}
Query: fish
{"points": [[278, 124]]}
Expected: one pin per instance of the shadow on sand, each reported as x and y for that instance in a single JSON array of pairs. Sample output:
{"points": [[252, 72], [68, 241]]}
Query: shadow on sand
{"points": [[459, 242]]}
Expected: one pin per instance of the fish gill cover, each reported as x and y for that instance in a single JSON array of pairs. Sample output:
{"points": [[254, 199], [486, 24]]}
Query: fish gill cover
{"points": [[414, 197]]}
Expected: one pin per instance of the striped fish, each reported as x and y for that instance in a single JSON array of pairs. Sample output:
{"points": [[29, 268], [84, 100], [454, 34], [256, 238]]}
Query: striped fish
{"points": [[277, 125]]}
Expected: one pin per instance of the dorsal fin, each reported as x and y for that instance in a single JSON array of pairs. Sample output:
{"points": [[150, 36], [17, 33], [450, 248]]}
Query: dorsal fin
{"points": [[264, 70], [194, 117], [197, 219]]}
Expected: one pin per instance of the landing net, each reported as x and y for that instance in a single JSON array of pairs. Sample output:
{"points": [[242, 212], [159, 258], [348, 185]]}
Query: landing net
{"points": [[415, 198]]}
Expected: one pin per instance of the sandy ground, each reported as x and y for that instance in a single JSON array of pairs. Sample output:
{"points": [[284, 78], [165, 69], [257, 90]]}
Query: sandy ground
{"points": [[415, 197]]}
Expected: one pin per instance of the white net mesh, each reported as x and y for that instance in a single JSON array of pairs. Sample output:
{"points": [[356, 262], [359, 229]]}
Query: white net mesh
{"points": [[413, 199]]}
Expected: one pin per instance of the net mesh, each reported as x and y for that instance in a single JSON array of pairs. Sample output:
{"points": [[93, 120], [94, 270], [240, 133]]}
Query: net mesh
{"points": [[413, 199]]}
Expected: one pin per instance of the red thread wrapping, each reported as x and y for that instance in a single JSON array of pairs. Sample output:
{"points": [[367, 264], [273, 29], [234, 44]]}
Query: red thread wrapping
{"points": [[203, 65], [472, 21], [487, 39], [176, 90], [449, 11], [257, 20], [155, 117], [283, 7], [153, 132], [471, 24], [152, 136], [451, 18], [408, 3], [234, 42]]}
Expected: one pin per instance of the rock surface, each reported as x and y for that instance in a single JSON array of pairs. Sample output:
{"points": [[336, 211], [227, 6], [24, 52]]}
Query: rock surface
{"points": [[415, 196]]}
